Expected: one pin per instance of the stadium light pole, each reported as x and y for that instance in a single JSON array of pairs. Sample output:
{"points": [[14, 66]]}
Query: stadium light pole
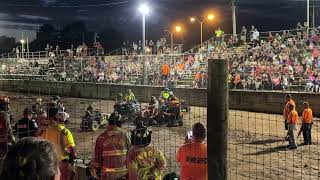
{"points": [[234, 20], [144, 10], [22, 47], [210, 17], [177, 29]]}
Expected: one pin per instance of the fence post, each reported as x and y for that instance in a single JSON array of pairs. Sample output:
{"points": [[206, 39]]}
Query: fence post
{"points": [[217, 122]]}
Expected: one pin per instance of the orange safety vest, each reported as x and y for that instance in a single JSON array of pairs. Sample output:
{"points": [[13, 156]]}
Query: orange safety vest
{"points": [[307, 116], [286, 108], [293, 117]]}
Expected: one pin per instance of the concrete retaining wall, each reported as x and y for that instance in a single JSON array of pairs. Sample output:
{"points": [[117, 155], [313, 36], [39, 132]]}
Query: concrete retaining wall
{"points": [[261, 101]]}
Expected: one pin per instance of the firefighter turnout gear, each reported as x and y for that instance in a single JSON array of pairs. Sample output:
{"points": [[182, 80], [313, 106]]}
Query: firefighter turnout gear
{"points": [[6, 135], [145, 163], [110, 154]]}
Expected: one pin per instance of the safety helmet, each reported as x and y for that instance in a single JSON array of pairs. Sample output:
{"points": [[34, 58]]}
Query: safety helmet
{"points": [[62, 116], [119, 95], [153, 99], [115, 119], [129, 91], [4, 99], [92, 104], [166, 89], [42, 115], [55, 98], [52, 111], [4, 103], [141, 136], [38, 99]]}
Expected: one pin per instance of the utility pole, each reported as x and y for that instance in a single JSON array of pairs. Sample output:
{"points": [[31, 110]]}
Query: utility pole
{"points": [[313, 16], [308, 13], [234, 20]]}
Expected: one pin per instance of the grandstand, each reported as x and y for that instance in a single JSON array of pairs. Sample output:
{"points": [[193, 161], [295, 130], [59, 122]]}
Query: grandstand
{"points": [[194, 61]]}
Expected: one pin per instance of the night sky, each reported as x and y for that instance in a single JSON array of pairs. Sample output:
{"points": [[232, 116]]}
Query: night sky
{"points": [[27, 15]]}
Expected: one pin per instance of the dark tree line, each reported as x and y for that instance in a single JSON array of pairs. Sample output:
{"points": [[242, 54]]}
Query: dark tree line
{"points": [[74, 34], [7, 44]]}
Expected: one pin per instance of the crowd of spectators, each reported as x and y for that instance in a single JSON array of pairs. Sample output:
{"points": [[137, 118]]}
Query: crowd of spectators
{"points": [[278, 61], [152, 47], [283, 60]]}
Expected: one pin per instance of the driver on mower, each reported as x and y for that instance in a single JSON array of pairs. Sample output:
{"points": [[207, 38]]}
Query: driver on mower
{"points": [[166, 95]]}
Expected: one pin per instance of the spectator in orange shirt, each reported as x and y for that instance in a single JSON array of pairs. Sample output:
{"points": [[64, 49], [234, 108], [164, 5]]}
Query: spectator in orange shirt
{"points": [[286, 109], [292, 121], [193, 157], [197, 80], [165, 69], [307, 120]]}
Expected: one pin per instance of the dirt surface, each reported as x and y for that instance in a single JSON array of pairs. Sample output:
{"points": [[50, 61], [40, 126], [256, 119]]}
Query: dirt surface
{"points": [[256, 147]]}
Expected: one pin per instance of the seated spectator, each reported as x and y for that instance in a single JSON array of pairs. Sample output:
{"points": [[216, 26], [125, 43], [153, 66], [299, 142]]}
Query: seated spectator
{"points": [[192, 156], [31, 158]]}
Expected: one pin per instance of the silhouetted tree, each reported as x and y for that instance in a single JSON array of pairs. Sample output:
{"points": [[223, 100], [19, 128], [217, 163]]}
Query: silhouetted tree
{"points": [[7, 44]]}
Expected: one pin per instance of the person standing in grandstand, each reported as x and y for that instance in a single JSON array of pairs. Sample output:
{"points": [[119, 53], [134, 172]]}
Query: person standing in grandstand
{"points": [[6, 135], [144, 161], [27, 126], [192, 156], [243, 35], [165, 69], [63, 141], [109, 159], [286, 110], [307, 121], [292, 121]]}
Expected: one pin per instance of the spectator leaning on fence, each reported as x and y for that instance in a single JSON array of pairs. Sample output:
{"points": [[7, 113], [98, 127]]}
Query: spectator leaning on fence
{"points": [[192, 156]]}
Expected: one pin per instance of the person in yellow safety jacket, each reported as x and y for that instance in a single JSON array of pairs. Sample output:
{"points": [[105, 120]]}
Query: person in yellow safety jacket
{"points": [[218, 33], [144, 161], [166, 95], [109, 158], [63, 141], [130, 97]]}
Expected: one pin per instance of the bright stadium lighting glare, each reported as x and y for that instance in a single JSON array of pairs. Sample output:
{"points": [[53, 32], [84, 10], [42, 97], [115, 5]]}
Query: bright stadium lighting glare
{"points": [[192, 19], [144, 9], [210, 17], [22, 41], [178, 28]]}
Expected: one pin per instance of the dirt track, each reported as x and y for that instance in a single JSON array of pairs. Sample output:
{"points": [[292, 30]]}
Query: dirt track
{"points": [[256, 149]]}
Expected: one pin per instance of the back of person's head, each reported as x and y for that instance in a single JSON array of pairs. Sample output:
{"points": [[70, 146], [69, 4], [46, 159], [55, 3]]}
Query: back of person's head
{"points": [[288, 96], [27, 112], [31, 159], [115, 119], [199, 131]]}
